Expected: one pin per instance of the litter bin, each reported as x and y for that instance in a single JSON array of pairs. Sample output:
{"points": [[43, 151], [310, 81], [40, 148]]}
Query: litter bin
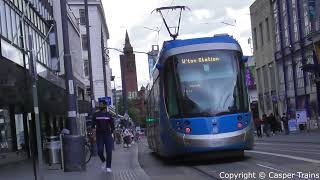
{"points": [[53, 150], [73, 153]]}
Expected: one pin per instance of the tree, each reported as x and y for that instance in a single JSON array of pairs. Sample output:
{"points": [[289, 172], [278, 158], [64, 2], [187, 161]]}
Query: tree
{"points": [[133, 111]]}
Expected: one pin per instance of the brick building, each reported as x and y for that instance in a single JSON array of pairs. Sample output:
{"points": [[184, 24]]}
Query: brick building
{"points": [[128, 71]]}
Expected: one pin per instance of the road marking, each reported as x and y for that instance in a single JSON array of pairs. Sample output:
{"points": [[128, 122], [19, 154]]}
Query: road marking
{"points": [[286, 144], [268, 167], [296, 151], [286, 156]]}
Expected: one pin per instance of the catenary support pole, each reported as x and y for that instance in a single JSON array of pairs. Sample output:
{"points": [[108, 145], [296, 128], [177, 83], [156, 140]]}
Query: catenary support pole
{"points": [[71, 97]]}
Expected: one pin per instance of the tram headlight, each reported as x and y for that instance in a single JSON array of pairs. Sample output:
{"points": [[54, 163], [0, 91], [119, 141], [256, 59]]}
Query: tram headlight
{"points": [[188, 130], [239, 125]]}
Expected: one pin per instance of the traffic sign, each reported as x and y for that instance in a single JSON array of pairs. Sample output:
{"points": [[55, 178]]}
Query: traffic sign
{"points": [[107, 100]]}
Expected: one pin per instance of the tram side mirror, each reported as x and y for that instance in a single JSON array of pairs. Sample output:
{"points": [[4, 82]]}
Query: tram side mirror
{"points": [[159, 67], [245, 59]]}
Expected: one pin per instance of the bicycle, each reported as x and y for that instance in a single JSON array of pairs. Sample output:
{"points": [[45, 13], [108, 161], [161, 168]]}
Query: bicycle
{"points": [[88, 147]]}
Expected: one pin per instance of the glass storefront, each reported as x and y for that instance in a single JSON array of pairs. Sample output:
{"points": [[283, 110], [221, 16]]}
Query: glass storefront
{"points": [[4, 131], [13, 136]]}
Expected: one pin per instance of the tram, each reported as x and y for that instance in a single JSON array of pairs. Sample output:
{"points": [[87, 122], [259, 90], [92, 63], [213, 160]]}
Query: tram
{"points": [[198, 100]]}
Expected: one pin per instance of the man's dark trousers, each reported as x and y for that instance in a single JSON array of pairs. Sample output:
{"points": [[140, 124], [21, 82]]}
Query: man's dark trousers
{"points": [[105, 141]]}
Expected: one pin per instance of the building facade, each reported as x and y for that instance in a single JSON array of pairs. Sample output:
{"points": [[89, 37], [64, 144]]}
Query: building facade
{"points": [[294, 41], [263, 34], [22, 22], [101, 71], [293, 49], [83, 104]]}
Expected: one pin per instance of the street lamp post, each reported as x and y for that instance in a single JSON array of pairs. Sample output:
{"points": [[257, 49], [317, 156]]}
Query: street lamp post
{"points": [[33, 71]]}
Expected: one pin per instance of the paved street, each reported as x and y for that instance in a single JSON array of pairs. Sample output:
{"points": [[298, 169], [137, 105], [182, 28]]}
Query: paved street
{"points": [[271, 156], [125, 166]]}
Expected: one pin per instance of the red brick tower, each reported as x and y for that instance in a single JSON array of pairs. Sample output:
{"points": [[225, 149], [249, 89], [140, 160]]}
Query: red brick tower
{"points": [[128, 71]]}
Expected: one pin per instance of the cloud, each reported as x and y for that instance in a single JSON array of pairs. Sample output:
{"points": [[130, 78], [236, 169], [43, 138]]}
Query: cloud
{"points": [[202, 14], [204, 19]]}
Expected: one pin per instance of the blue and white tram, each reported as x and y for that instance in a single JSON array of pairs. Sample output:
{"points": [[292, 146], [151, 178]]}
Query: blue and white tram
{"points": [[198, 100]]}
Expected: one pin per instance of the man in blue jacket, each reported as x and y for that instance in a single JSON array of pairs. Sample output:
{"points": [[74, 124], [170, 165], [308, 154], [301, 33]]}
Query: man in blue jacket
{"points": [[104, 124]]}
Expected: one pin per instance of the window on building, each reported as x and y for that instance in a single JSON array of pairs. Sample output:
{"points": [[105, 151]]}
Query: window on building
{"points": [[299, 72], [265, 78], [307, 23], [272, 76], [84, 39], [289, 75], [309, 60], [88, 90], [86, 68], [280, 76], [3, 19], [268, 100], [255, 38], [276, 23], [285, 23], [261, 33], [14, 27], [80, 93], [261, 102], [268, 29], [295, 20], [82, 16], [8, 21], [259, 79]]}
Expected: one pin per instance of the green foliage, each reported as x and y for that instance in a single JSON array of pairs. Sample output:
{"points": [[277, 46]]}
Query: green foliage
{"points": [[133, 112]]}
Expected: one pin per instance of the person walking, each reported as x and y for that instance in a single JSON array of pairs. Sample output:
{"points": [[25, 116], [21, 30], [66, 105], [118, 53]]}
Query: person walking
{"points": [[266, 124], [284, 119], [257, 123], [273, 123], [278, 118], [104, 124]]}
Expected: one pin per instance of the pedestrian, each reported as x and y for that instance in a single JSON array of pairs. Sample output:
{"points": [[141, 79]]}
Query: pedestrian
{"points": [[278, 118], [104, 124], [126, 138], [273, 123], [266, 125], [257, 123], [284, 119]]}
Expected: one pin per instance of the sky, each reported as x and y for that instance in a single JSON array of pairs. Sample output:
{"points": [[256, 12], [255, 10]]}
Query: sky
{"points": [[205, 18]]}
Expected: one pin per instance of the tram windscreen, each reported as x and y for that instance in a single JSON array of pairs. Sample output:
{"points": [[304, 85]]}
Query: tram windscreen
{"points": [[204, 83]]}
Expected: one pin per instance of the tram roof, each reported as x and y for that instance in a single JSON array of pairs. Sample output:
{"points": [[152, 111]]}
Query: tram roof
{"points": [[224, 38], [219, 39]]}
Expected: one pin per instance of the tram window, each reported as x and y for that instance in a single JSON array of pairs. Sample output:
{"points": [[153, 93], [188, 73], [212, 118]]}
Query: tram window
{"points": [[244, 88], [171, 98], [156, 96]]}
